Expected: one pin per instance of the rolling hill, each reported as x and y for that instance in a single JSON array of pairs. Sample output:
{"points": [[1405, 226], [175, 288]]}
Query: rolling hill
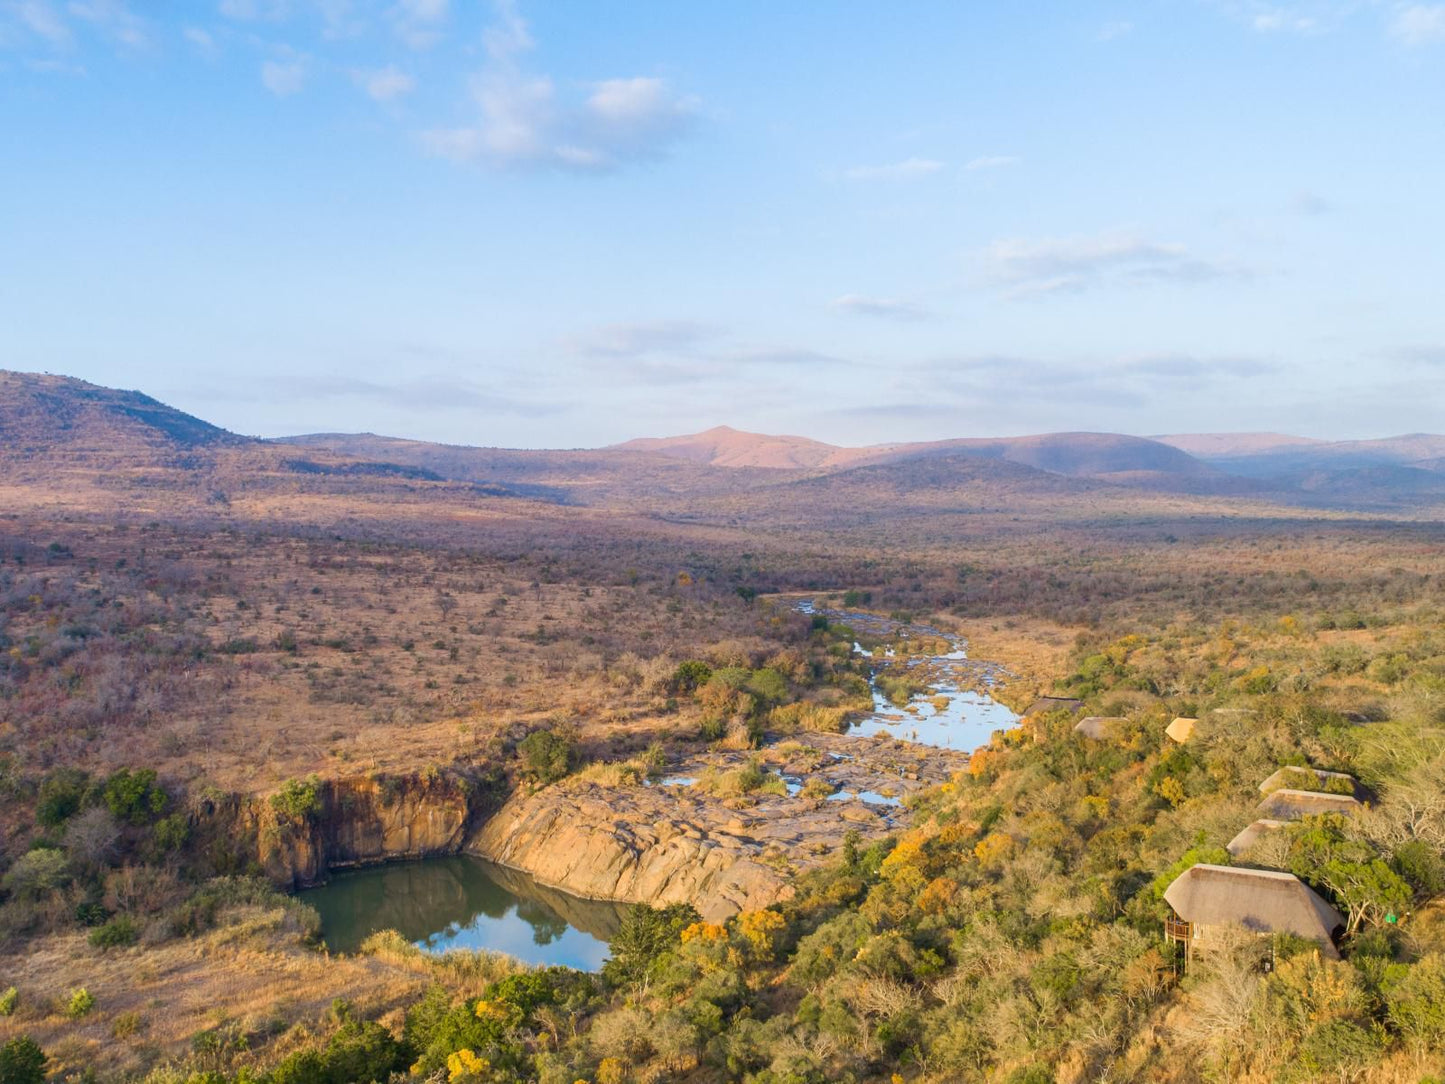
{"points": [[59, 432]]}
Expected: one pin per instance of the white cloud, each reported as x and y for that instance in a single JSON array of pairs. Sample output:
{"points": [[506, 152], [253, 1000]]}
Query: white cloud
{"points": [[906, 170], [385, 84], [201, 39], [1290, 16], [1311, 204], [1023, 268], [880, 307], [1275, 20], [639, 339], [992, 161], [40, 18], [522, 123], [283, 78], [114, 18], [1419, 24], [251, 10], [507, 36], [419, 22]]}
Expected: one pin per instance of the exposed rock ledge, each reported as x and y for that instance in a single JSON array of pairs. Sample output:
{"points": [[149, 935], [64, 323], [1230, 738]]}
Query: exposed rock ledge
{"points": [[357, 821], [671, 844]]}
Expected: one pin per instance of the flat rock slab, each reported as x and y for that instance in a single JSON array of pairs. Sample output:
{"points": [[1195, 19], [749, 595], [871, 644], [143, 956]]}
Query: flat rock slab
{"points": [[678, 844]]}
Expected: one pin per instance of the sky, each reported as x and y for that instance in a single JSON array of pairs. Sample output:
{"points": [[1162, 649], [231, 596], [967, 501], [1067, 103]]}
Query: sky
{"points": [[569, 224]]}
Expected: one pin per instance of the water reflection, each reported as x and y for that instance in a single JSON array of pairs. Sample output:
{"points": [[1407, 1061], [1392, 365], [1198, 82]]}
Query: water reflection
{"points": [[462, 902]]}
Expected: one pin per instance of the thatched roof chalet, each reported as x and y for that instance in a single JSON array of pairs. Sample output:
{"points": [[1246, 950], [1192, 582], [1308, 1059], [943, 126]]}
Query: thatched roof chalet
{"points": [[1210, 898], [1053, 703], [1181, 729], [1251, 835], [1294, 777], [1291, 805], [1099, 727]]}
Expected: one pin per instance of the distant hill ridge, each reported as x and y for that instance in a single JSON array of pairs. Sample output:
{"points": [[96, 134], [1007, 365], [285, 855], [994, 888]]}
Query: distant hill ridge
{"points": [[40, 411], [50, 423]]}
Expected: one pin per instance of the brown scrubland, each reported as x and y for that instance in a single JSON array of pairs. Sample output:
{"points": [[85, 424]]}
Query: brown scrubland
{"points": [[250, 621]]}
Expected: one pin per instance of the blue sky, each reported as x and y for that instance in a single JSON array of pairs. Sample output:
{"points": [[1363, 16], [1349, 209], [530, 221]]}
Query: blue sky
{"points": [[570, 224]]}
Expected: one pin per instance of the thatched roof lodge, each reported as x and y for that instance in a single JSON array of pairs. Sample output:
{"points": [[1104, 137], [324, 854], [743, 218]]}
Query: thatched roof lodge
{"points": [[1053, 703], [1291, 805], [1208, 899], [1181, 729], [1295, 777], [1251, 835], [1099, 727]]}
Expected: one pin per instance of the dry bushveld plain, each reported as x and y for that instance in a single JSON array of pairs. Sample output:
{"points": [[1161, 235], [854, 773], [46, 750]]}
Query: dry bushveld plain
{"points": [[191, 622]]}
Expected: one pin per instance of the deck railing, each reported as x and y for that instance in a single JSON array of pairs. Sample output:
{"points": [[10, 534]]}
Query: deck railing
{"points": [[1176, 929]]}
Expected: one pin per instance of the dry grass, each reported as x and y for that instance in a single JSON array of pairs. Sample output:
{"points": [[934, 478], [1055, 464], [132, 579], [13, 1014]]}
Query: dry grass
{"points": [[252, 972]]}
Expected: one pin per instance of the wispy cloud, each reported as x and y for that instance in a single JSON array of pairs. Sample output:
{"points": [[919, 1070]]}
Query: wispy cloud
{"points": [[992, 161], [1427, 356], [113, 18], [1311, 204], [683, 352], [1419, 24], [522, 121], [201, 39], [429, 393], [1305, 17], [1280, 19], [1026, 267], [907, 170], [1056, 387], [420, 23], [253, 10], [639, 339], [881, 307], [40, 18], [385, 84], [283, 78]]}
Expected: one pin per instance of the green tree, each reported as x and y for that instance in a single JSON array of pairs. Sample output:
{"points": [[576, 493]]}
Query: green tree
{"points": [[298, 799], [689, 675], [547, 754], [36, 873], [646, 934], [61, 795], [134, 797], [22, 1062]]}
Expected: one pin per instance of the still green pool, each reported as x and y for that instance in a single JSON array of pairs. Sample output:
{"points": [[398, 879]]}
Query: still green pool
{"points": [[461, 902]]}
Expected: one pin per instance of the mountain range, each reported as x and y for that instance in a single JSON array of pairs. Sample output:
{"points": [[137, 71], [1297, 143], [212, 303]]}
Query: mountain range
{"points": [[57, 427]]}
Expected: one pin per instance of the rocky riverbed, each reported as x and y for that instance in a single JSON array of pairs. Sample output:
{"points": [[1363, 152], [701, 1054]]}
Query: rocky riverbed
{"points": [[687, 839]]}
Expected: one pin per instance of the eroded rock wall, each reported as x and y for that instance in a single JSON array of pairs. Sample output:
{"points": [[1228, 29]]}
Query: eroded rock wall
{"points": [[579, 840], [357, 821]]}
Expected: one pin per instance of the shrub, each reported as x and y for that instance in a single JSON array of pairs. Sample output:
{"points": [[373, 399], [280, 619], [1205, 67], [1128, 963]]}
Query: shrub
{"points": [[81, 1002], [298, 799], [8, 1001], [22, 1061], [689, 675], [134, 797], [61, 795], [547, 755], [36, 872], [118, 932]]}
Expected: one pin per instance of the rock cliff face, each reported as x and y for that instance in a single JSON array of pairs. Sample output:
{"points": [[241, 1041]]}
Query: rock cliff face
{"points": [[581, 841], [357, 821], [677, 844]]}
